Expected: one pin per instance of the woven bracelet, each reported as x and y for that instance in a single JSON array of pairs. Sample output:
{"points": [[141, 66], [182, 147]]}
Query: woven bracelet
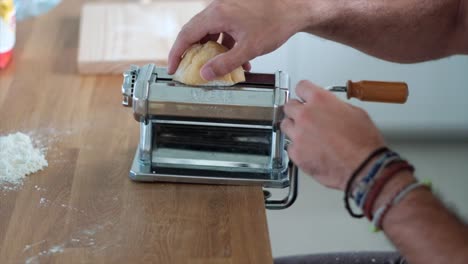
{"points": [[376, 179], [366, 185], [353, 177]]}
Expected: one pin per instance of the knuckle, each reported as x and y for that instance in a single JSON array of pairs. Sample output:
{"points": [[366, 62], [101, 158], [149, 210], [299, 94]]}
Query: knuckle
{"points": [[252, 45], [284, 125], [218, 8], [185, 31], [317, 96], [257, 48], [302, 115]]}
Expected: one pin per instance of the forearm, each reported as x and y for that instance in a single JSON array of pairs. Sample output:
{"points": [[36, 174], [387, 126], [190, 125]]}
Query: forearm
{"points": [[422, 229], [418, 224], [399, 30]]}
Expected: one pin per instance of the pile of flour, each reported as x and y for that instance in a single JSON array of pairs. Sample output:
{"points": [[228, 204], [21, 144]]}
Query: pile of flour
{"points": [[19, 158]]}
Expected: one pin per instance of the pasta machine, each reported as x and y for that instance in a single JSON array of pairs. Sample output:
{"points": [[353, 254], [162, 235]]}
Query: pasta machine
{"points": [[211, 135]]}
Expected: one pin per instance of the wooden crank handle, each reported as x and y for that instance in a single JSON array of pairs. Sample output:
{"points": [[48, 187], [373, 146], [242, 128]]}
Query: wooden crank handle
{"points": [[374, 91]]}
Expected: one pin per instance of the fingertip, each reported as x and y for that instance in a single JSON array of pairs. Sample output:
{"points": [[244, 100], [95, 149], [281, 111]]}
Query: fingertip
{"points": [[215, 67], [247, 66], [172, 66], [305, 83], [305, 89], [207, 73], [173, 59], [225, 63]]}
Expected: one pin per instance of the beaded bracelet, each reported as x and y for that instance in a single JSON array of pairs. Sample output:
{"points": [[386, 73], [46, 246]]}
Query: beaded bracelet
{"points": [[397, 198], [353, 177]]}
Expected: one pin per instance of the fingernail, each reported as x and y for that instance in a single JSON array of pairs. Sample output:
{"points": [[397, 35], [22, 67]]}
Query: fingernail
{"points": [[169, 67], [207, 73]]}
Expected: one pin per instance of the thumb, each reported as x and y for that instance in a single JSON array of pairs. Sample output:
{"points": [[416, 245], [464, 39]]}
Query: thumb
{"points": [[308, 91], [224, 63]]}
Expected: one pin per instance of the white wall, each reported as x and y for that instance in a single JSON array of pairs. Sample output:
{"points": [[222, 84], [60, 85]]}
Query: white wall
{"points": [[438, 99], [437, 106]]}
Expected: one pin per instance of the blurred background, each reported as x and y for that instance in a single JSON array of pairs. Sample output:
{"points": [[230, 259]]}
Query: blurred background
{"points": [[431, 130]]}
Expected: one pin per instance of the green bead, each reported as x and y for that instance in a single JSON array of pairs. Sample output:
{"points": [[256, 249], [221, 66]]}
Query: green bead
{"points": [[375, 229], [428, 183]]}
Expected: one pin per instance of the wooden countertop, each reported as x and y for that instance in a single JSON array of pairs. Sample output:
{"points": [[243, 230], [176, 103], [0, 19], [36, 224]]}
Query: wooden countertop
{"points": [[83, 208]]}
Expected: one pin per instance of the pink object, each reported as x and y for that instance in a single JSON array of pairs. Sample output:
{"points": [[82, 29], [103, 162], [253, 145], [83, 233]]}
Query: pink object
{"points": [[5, 58]]}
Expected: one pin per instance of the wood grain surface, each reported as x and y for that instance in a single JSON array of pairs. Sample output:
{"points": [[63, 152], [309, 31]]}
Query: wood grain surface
{"points": [[83, 208], [116, 35]]}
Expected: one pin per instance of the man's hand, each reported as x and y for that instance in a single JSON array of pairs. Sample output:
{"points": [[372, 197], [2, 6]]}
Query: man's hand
{"points": [[330, 138], [250, 29]]}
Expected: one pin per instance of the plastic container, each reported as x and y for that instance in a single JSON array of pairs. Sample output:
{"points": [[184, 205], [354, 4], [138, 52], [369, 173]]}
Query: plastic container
{"points": [[7, 31]]}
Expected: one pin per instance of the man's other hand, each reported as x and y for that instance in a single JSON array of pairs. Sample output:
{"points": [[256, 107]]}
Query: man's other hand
{"points": [[330, 138], [249, 28]]}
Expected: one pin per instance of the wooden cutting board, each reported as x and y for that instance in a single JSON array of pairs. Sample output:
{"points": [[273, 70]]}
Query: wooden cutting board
{"points": [[116, 35]]}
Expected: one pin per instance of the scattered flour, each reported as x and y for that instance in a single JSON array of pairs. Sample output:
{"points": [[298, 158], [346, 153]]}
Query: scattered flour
{"points": [[28, 247], [84, 238], [51, 251], [56, 249], [19, 158], [43, 200], [39, 188]]}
